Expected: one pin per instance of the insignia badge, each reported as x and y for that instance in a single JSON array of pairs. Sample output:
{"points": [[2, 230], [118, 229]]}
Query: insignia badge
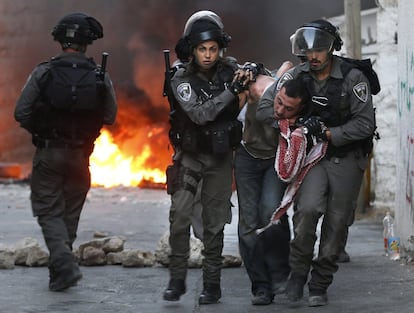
{"points": [[361, 91], [322, 101], [283, 79], [184, 91]]}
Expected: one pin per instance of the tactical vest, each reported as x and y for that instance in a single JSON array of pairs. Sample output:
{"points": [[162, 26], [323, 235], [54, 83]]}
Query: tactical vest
{"points": [[331, 106], [334, 109], [217, 137]]}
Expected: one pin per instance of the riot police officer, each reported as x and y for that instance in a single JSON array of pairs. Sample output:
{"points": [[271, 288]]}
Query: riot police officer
{"points": [[341, 98], [64, 132], [204, 132]]}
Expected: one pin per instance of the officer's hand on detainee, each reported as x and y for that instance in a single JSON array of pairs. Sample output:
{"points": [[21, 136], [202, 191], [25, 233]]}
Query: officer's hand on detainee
{"points": [[253, 69], [313, 126], [240, 81], [244, 76]]}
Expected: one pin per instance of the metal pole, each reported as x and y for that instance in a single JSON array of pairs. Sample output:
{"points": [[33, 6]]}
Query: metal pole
{"points": [[352, 9]]}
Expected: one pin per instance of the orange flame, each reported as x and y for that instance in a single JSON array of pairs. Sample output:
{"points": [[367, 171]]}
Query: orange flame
{"points": [[110, 167]]}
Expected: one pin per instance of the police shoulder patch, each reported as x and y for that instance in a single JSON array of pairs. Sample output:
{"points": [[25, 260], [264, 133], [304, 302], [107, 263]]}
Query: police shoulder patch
{"points": [[361, 91], [283, 79], [184, 91]]}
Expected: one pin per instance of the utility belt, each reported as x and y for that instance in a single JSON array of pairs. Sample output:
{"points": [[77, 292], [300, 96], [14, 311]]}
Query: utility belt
{"points": [[59, 144], [342, 151], [217, 139]]}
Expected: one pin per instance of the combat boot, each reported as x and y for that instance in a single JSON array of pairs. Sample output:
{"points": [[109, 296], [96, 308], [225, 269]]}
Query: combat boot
{"points": [[262, 297], [211, 294], [53, 275], [343, 257], [317, 298], [294, 288], [176, 288], [65, 277]]}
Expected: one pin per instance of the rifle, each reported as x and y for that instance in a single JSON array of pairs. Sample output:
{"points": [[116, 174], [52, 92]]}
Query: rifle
{"points": [[102, 70], [167, 79], [168, 74], [170, 96]]}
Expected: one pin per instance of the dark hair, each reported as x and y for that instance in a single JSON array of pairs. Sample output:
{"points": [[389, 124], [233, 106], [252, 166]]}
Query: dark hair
{"points": [[183, 50], [296, 88]]}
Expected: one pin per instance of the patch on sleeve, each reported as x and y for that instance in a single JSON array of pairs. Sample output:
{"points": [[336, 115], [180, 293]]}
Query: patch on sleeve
{"points": [[283, 79], [361, 91], [184, 91]]}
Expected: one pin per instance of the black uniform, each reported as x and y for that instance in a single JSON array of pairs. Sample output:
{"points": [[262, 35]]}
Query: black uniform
{"points": [[60, 175]]}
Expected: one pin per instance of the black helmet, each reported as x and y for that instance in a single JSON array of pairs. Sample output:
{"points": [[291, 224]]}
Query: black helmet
{"points": [[77, 28], [319, 34], [203, 26]]}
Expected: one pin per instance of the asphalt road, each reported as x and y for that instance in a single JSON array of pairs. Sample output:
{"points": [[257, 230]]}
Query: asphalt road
{"points": [[369, 283]]}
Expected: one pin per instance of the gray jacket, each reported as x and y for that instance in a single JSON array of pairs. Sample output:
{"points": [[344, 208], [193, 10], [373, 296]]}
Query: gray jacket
{"points": [[361, 123]]}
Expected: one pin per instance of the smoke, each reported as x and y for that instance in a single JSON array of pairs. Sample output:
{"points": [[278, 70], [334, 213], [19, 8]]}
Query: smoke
{"points": [[140, 123], [135, 33]]}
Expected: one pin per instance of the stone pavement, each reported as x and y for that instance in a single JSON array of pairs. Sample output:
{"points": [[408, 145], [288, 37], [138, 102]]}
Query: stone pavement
{"points": [[369, 283]]}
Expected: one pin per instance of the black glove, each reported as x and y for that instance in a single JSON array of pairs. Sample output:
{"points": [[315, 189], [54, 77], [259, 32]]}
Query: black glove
{"points": [[323, 135], [313, 126], [237, 87], [254, 68]]}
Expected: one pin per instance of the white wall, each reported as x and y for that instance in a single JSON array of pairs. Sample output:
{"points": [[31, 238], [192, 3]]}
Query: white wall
{"points": [[405, 120], [392, 177], [384, 180], [378, 29]]}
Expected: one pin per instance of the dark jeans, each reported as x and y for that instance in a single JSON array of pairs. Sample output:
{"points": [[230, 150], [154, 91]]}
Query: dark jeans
{"points": [[259, 193], [59, 185]]}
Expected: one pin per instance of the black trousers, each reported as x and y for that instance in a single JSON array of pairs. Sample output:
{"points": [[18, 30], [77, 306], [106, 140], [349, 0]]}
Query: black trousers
{"points": [[59, 185]]}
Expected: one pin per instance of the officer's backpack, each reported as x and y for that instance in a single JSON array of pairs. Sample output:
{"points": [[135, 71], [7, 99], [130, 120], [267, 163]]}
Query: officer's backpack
{"points": [[365, 66], [72, 84], [69, 106]]}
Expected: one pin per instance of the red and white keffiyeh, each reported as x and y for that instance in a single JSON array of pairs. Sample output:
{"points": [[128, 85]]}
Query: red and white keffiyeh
{"points": [[292, 164]]}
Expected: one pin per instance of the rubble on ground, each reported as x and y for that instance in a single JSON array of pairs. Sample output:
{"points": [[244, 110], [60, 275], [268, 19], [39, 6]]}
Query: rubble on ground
{"points": [[105, 251]]}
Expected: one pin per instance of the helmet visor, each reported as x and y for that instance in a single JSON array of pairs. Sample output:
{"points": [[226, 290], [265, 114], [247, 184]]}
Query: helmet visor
{"points": [[309, 38], [214, 35]]}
